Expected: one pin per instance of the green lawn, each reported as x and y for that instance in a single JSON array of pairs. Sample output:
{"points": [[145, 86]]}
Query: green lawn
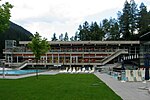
{"points": [[56, 87]]}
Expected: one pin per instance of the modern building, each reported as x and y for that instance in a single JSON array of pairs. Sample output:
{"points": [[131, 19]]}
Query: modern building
{"points": [[73, 53], [144, 49]]}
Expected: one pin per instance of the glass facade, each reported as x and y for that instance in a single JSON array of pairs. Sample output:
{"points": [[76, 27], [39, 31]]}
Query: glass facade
{"points": [[144, 49]]}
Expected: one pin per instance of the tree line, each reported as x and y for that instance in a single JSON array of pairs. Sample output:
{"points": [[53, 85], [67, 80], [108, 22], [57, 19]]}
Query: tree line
{"points": [[131, 22]]}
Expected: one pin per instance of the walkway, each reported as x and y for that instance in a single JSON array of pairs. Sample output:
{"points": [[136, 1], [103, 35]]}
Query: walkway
{"points": [[126, 90]]}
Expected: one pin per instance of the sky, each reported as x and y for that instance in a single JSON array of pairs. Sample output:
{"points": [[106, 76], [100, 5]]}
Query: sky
{"points": [[60, 16]]}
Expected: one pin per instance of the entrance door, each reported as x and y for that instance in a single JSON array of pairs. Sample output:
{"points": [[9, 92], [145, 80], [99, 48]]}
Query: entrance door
{"points": [[74, 59]]}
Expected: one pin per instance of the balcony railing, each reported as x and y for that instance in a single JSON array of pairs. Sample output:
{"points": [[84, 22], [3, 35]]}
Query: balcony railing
{"points": [[20, 49]]}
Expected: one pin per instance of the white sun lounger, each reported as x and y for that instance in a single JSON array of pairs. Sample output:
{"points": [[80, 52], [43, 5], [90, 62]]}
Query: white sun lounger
{"points": [[92, 70], [63, 71], [79, 70], [138, 75], [70, 70], [142, 74], [129, 76], [134, 75], [73, 71], [83, 70]]}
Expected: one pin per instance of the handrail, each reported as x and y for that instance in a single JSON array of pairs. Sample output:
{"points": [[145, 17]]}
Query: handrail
{"points": [[112, 56], [22, 64]]}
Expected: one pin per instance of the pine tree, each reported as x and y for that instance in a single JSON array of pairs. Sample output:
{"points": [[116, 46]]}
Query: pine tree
{"points": [[134, 17], [80, 33], [106, 28], [86, 32], [54, 38], [61, 37], [96, 33], [66, 38], [114, 30], [125, 21], [144, 20], [72, 38], [76, 36]]}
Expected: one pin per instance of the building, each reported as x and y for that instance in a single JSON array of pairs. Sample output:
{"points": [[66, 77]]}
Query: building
{"points": [[73, 53], [144, 48]]}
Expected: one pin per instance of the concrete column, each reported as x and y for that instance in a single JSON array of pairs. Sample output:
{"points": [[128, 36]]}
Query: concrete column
{"points": [[76, 59], [58, 58], [70, 59], [46, 58], [64, 58], [11, 59], [52, 59], [8, 58], [137, 56], [17, 59]]}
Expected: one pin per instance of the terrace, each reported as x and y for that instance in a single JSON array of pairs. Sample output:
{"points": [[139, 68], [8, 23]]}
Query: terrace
{"points": [[79, 53]]}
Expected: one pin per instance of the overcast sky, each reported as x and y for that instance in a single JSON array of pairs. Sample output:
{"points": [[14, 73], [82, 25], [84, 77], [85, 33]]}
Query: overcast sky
{"points": [[60, 16]]}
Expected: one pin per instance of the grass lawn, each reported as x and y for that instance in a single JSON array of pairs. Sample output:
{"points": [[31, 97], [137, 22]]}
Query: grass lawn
{"points": [[56, 87]]}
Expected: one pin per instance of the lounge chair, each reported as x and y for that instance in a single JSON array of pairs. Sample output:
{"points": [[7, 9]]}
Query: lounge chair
{"points": [[73, 71], [138, 75], [63, 71], [79, 70], [70, 70], [129, 75]]}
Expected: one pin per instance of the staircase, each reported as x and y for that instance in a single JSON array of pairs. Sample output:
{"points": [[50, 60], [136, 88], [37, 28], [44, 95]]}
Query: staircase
{"points": [[22, 65], [112, 56]]}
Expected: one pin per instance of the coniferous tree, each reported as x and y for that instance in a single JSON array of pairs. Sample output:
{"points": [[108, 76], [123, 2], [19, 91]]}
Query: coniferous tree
{"points": [[101, 33], [66, 38], [76, 36], [133, 17], [125, 21], [54, 38], [80, 33], [86, 32], [61, 37], [90, 32], [105, 28], [114, 33], [144, 20], [131, 23], [72, 38], [96, 32]]}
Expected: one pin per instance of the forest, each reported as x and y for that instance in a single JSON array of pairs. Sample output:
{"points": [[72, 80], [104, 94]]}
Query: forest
{"points": [[132, 22]]}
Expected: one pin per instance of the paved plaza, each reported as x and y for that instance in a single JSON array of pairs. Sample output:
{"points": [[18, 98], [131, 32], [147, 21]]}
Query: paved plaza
{"points": [[126, 90]]}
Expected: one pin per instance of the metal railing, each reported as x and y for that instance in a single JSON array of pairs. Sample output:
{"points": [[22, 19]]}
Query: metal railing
{"points": [[112, 56]]}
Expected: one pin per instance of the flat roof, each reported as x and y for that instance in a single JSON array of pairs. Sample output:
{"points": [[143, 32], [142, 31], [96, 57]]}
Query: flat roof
{"points": [[87, 42]]}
